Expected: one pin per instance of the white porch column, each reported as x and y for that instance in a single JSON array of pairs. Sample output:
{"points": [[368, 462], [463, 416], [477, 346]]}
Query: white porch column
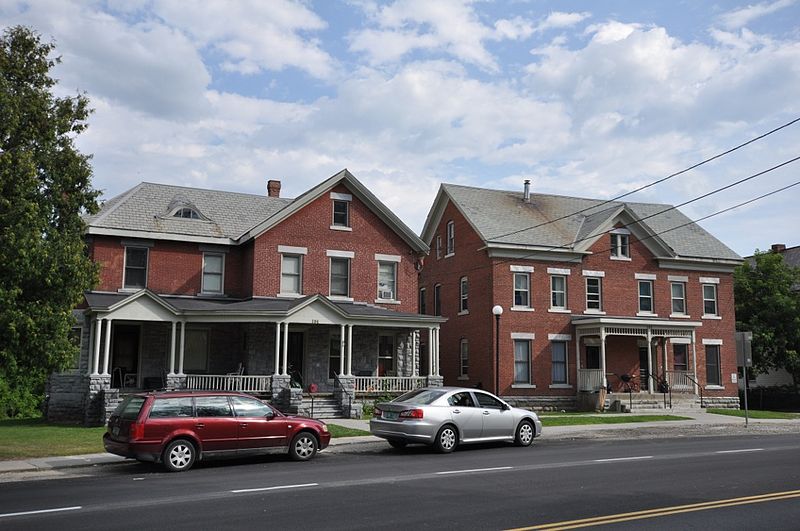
{"points": [[650, 380], [694, 361], [182, 349], [350, 350], [107, 348], [278, 348], [431, 351], [285, 365], [414, 353], [172, 338], [436, 360], [577, 355], [603, 354], [97, 337], [341, 349]]}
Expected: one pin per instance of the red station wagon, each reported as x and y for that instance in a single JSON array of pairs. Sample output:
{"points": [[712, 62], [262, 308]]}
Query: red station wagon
{"points": [[177, 428]]}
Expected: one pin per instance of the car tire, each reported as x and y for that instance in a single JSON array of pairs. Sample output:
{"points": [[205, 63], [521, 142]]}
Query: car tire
{"points": [[525, 433], [303, 447], [179, 455], [397, 444], [446, 439]]}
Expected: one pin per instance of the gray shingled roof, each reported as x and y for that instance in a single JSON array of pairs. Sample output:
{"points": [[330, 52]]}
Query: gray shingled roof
{"points": [[146, 208], [496, 213]]}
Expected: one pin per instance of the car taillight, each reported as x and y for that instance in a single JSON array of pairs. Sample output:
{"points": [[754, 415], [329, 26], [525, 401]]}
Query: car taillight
{"points": [[377, 413], [411, 414], [136, 431]]}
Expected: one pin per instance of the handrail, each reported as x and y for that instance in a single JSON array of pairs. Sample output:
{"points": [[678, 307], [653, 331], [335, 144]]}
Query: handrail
{"points": [[338, 383], [664, 386], [699, 388]]}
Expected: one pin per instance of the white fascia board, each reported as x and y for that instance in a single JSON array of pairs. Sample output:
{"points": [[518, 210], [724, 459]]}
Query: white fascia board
{"points": [[161, 236], [711, 265]]}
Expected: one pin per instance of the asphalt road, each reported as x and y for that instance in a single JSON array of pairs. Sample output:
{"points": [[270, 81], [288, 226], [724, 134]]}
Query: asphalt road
{"points": [[734, 482]]}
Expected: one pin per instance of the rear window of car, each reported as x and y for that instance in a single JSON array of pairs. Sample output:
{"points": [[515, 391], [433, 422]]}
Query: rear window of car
{"points": [[129, 408], [420, 396], [164, 408], [213, 406]]}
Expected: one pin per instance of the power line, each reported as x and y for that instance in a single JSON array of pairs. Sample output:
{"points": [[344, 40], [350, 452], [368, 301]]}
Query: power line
{"points": [[659, 181]]}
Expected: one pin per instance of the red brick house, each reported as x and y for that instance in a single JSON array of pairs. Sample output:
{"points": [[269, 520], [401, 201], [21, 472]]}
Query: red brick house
{"points": [[207, 289], [593, 294]]}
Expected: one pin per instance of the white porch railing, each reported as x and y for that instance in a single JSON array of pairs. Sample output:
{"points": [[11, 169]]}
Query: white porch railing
{"points": [[390, 384], [680, 380], [590, 379], [255, 383]]}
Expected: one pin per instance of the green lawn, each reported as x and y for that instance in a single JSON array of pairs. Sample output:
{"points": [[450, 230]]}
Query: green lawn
{"points": [[35, 438], [21, 439], [754, 413], [578, 420]]}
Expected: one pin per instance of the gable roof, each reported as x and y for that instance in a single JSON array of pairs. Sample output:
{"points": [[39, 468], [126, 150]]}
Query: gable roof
{"points": [[571, 224], [230, 218]]}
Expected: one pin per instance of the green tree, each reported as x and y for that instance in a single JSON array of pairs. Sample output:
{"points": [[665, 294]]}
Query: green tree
{"points": [[768, 304], [45, 187]]}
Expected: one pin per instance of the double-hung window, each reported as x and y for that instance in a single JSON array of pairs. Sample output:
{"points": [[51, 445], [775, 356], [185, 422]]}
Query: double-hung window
{"points": [[437, 299], [292, 274], [522, 290], [451, 238], [678, 294], [559, 362], [646, 296], [680, 357], [463, 371], [387, 280], [710, 299], [463, 304], [213, 273], [713, 370], [135, 268], [558, 292], [341, 213], [594, 293], [438, 246], [422, 302], [620, 244], [522, 361], [340, 277]]}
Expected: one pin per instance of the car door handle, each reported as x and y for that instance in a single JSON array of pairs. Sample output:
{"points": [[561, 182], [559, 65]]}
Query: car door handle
{"points": [[456, 411], [243, 424], [199, 426], [487, 413]]}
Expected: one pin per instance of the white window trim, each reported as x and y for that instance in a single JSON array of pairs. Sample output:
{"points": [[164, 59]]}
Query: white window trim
{"points": [[680, 341], [712, 317], [521, 269], [381, 300], [717, 387], [559, 310], [521, 309], [340, 254], [558, 271], [515, 307], [302, 259], [619, 230], [222, 276], [438, 246], [621, 258], [288, 249], [645, 313], [561, 386], [680, 316], [387, 258], [716, 298], [342, 228], [594, 312], [559, 337], [461, 297], [463, 375], [712, 341], [523, 386], [341, 197], [644, 276], [346, 198], [523, 335], [709, 280], [677, 278], [586, 298], [450, 230], [349, 278], [590, 273]]}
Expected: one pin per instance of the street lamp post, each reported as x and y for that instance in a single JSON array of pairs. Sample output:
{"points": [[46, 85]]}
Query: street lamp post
{"points": [[497, 311]]}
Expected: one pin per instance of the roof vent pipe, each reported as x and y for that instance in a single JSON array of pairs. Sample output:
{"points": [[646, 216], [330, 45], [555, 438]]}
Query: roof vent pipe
{"points": [[526, 196]]}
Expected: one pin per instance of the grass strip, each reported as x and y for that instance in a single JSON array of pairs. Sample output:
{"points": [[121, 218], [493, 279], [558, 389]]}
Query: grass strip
{"points": [[602, 419], [343, 431], [25, 438], [755, 414]]}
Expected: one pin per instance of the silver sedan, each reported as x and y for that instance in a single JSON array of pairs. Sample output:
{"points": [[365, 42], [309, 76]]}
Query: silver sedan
{"points": [[448, 416]]}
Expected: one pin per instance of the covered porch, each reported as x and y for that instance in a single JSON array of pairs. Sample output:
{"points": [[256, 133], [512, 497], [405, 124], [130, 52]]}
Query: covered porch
{"points": [[640, 355]]}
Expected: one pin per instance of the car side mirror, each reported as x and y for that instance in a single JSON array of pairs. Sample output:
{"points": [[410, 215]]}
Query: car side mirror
{"points": [[270, 414], [506, 407]]}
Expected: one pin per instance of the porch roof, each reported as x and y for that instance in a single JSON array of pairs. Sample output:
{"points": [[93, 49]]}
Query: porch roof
{"points": [[587, 325], [271, 309]]}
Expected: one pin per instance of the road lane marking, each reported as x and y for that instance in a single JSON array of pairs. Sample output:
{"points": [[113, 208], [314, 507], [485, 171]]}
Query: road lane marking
{"points": [[474, 470], [278, 487], [623, 459], [663, 511], [42, 511], [740, 451]]}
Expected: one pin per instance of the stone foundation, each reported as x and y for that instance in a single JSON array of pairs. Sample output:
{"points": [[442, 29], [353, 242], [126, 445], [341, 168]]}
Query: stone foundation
{"points": [[543, 403]]}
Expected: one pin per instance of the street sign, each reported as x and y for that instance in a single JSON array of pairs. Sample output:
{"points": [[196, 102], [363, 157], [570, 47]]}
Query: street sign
{"points": [[744, 349]]}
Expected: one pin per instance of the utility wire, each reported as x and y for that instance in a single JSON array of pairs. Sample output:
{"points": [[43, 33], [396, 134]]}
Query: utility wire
{"points": [[659, 181]]}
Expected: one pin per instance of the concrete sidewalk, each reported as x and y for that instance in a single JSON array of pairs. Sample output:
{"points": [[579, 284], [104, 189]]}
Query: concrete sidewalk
{"points": [[701, 424]]}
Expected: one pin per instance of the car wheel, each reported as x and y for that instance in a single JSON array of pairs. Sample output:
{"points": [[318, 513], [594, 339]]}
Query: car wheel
{"points": [[524, 436], [397, 444], [446, 440], [179, 455], [303, 447]]}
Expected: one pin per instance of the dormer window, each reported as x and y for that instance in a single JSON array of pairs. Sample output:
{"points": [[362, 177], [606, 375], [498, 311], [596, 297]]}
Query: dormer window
{"points": [[186, 213]]}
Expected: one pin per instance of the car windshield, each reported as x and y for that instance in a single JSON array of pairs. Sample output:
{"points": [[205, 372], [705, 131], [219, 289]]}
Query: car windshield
{"points": [[129, 408], [420, 396]]}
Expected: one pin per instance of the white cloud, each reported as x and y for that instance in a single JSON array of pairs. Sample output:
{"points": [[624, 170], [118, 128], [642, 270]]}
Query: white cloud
{"points": [[560, 20], [741, 17]]}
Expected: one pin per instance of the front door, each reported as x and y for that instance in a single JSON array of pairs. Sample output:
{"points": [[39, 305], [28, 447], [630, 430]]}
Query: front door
{"points": [[644, 381], [295, 358], [125, 356]]}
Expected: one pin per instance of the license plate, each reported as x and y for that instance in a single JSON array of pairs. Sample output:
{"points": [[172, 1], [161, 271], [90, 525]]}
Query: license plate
{"points": [[115, 431], [391, 415]]}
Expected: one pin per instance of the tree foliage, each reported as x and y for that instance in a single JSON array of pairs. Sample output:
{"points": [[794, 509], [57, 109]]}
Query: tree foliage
{"points": [[768, 304], [45, 186]]}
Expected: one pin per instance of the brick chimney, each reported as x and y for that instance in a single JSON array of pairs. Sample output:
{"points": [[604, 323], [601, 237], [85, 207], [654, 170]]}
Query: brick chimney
{"points": [[273, 188], [778, 247]]}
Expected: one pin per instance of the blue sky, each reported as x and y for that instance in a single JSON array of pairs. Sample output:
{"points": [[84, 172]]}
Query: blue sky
{"points": [[587, 98]]}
